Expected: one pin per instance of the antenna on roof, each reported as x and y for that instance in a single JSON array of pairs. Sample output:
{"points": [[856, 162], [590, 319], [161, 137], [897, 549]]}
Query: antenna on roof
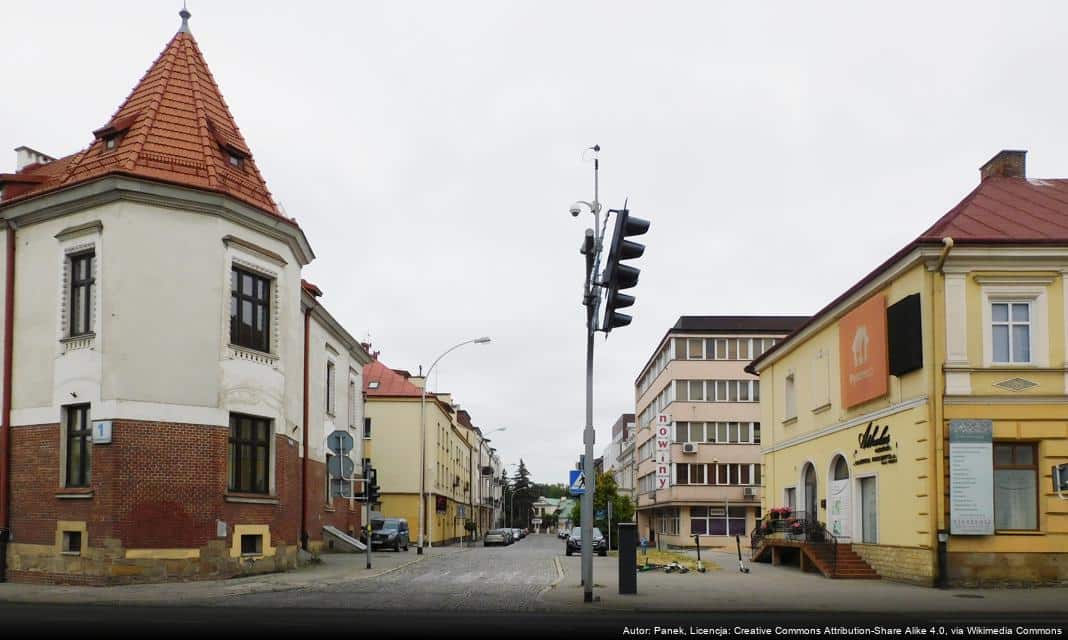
{"points": [[184, 13]]}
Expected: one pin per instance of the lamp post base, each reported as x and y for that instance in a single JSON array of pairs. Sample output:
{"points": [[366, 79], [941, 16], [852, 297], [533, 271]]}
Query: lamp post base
{"points": [[418, 551]]}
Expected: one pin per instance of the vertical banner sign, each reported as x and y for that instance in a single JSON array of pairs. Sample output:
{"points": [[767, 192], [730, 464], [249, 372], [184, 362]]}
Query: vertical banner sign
{"points": [[971, 477], [862, 352], [838, 507], [662, 434]]}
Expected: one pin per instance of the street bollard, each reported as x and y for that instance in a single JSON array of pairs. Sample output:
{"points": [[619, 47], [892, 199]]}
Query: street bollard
{"points": [[628, 557]]}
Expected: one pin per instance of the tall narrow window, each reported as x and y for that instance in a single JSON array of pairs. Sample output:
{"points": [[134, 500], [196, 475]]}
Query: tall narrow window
{"points": [[790, 398], [330, 388], [352, 403], [250, 310], [1011, 331], [743, 348], [1015, 487], [79, 446], [81, 294], [250, 447]]}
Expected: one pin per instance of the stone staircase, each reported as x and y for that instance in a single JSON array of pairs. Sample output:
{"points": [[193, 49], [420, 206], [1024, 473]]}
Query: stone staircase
{"points": [[847, 566], [821, 557]]}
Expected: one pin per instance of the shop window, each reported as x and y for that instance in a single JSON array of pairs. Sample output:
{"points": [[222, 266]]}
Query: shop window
{"points": [[1015, 487]]}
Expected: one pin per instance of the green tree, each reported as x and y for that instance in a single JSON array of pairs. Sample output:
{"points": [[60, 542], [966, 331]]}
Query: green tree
{"points": [[558, 490], [523, 496], [605, 492]]}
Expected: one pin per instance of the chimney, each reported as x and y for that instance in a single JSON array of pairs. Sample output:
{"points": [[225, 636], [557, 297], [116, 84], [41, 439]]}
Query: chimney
{"points": [[418, 381], [1006, 164], [25, 156]]}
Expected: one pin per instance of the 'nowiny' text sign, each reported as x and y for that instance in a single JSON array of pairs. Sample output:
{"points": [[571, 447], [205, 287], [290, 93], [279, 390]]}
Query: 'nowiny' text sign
{"points": [[662, 434]]}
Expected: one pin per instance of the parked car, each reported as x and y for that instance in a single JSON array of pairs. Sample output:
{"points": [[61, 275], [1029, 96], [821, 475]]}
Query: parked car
{"points": [[517, 533], [574, 542], [496, 536], [388, 532], [563, 533]]}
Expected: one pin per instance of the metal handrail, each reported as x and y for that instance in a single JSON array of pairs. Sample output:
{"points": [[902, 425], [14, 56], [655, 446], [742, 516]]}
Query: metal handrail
{"points": [[795, 525]]}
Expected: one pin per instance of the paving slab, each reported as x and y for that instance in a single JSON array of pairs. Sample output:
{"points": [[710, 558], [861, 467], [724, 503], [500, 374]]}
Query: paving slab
{"points": [[783, 588]]}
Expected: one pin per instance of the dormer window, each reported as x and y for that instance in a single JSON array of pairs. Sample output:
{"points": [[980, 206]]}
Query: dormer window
{"points": [[235, 160], [111, 133], [373, 385]]}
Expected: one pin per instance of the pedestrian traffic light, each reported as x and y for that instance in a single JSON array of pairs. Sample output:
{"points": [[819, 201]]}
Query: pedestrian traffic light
{"points": [[618, 276]]}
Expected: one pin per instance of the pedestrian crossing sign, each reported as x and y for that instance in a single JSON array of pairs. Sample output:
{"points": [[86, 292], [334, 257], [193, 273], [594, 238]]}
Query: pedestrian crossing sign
{"points": [[577, 482]]}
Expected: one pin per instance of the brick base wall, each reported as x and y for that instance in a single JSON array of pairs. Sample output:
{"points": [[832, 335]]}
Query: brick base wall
{"points": [[1007, 569], [901, 564], [157, 486]]}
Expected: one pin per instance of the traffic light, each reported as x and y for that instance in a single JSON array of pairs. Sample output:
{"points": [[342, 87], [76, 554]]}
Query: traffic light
{"points": [[372, 486], [618, 276]]}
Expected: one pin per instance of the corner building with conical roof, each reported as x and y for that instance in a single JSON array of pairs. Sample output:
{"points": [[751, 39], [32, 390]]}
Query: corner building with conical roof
{"points": [[169, 381]]}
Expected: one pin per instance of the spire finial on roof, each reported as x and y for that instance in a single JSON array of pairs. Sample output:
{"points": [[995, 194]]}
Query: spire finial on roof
{"points": [[184, 13]]}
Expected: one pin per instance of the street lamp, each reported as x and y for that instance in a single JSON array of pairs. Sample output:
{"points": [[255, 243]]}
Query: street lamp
{"points": [[481, 478], [422, 440]]}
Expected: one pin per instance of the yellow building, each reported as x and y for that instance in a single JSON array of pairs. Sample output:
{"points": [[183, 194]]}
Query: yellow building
{"points": [[915, 419], [394, 403]]}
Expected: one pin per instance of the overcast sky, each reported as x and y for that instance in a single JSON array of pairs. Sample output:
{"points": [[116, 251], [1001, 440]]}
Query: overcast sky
{"points": [[430, 151]]}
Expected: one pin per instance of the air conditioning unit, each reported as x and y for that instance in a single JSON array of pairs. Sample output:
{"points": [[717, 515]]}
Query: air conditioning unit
{"points": [[689, 447], [749, 492]]}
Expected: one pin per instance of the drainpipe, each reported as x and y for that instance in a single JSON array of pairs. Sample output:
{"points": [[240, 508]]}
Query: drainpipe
{"points": [[5, 424], [304, 459], [942, 535]]}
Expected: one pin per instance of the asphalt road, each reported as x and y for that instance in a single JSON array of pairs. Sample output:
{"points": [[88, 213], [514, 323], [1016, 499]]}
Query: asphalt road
{"points": [[488, 579]]}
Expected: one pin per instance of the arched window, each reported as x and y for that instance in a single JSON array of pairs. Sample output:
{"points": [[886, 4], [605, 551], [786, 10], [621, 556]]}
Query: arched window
{"points": [[841, 469]]}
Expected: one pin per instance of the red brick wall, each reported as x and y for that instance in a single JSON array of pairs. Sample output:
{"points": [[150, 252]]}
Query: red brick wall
{"points": [[157, 485], [336, 514]]}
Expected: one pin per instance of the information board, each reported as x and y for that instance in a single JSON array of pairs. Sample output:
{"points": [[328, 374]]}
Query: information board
{"points": [[663, 436], [971, 477]]}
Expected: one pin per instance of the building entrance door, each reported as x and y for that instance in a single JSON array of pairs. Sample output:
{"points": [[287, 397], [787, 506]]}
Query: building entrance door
{"points": [[869, 514], [810, 493]]}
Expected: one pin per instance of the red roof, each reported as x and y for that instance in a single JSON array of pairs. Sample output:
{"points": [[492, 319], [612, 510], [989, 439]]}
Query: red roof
{"points": [[1003, 210], [174, 127], [380, 380], [1009, 210]]}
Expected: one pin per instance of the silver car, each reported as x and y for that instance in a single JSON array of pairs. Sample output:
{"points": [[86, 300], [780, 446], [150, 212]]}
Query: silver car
{"points": [[496, 536]]}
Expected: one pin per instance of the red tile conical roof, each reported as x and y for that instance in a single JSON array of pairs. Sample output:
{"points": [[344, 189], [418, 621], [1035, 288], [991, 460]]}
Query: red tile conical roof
{"points": [[173, 127]]}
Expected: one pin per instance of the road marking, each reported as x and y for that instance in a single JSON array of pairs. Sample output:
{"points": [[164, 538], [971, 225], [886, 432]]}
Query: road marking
{"points": [[559, 577]]}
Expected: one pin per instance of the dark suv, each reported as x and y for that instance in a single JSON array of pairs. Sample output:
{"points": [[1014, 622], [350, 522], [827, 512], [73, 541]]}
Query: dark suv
{"points": [[574, 542], [389, 532]]}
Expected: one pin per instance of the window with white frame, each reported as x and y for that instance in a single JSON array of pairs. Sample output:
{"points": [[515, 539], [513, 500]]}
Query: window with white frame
{"points": [[717, 520], [1010, 331]]}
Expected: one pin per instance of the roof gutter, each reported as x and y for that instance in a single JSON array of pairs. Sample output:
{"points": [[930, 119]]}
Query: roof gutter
{"points": [[5, 419]]}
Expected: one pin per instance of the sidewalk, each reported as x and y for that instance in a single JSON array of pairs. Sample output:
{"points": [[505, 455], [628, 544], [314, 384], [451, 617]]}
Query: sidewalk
{"points": [[768, 588], [335, 568]]}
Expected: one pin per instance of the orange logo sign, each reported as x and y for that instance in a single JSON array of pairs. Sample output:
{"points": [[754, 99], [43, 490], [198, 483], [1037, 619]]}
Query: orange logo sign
{"points": [[862, 352]]}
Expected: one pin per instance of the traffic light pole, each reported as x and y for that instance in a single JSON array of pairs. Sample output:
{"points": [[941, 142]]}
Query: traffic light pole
{"points": [[588, 434], [616, 277], [591, 247]]}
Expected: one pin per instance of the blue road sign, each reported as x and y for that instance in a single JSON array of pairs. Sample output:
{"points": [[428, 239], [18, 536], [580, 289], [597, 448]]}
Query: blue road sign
{"points": [[577, 482]]}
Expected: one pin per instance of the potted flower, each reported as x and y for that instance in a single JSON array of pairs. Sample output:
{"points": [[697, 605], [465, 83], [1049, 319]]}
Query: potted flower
{"points": [[796, 527], [778, 513]]}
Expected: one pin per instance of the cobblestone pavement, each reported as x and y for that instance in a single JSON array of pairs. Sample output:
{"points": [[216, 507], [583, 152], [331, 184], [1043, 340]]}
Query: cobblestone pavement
{"points": [[499, 579]]}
